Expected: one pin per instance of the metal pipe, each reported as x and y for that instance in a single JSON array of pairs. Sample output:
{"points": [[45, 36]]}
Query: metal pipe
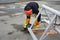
{"points": [[47, 15], [41, 38], [51, 10], [32, 34], [39, 29]]}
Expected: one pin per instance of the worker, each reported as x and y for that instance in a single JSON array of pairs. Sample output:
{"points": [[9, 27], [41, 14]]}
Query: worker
{"points": [[32, 8]]}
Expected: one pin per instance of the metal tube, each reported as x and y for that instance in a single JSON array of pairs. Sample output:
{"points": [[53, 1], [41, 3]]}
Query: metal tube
{"points": [[41, 38], [47, 14], [32, 34], [51, 10], [39, 29]]}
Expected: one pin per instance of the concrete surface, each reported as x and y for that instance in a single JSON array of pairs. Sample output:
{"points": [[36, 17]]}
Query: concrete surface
{"points": [[9, 22]]}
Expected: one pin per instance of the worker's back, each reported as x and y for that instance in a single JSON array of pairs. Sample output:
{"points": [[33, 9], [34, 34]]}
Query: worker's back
{"points": [[34, 6]]}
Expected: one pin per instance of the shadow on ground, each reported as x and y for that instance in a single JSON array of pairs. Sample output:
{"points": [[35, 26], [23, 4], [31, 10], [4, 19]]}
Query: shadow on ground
{"points": [[17, 27]]}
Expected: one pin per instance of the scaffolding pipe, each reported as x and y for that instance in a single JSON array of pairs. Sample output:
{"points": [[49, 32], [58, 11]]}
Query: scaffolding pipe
{"points": [[32, 34], [41, 38], [51, 10]]}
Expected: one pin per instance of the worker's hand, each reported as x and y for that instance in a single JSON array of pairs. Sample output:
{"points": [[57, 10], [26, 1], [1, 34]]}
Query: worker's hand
{"points": [[35, 15]]}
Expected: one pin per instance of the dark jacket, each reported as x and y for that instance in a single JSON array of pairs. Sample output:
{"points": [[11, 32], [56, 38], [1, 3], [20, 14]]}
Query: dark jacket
{"points": [[34, 6]]}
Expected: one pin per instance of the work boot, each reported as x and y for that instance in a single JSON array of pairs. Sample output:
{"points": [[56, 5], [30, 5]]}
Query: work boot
{"points": [[36, 24]]}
